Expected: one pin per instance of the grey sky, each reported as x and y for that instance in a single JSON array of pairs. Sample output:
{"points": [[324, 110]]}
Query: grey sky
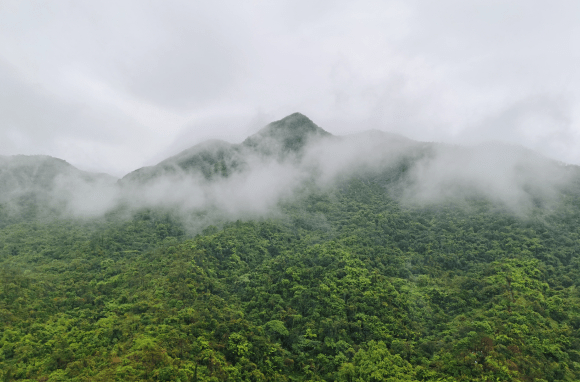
{"points": [[114, 85]]}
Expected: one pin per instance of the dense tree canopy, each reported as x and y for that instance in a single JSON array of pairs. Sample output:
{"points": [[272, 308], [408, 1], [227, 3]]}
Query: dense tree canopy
{"points": [[347, 284]]}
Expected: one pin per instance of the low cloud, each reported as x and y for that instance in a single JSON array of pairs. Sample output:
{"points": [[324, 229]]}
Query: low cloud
{"points": [[514, 177], [247, 183], [110, 86]]}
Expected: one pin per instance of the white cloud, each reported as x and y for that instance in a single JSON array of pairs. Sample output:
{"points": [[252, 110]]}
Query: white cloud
{"points": [[111, 86]]}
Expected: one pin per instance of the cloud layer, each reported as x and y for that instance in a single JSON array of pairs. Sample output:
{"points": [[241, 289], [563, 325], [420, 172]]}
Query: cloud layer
{"points": [[111, 86], [216, 181]]}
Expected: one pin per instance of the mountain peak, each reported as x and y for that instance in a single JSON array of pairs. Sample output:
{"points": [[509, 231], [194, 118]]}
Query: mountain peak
{"points": [[295, 118], [291, 132], [296, 121]]}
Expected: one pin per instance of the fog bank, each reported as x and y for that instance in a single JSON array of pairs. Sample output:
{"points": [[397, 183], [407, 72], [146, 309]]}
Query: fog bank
{"points": [[222, 181]]}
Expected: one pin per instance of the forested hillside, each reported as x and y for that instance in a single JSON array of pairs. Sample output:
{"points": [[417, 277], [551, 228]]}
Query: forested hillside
{"points": [[364, 277]]}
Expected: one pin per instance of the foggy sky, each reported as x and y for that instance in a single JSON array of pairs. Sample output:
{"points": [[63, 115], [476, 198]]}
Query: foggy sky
{"points": [[112, 86]]}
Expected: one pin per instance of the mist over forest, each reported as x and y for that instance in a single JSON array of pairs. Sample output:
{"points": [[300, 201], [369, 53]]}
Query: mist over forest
{"points": [[294, 255], [286, 157], [289, 191]]}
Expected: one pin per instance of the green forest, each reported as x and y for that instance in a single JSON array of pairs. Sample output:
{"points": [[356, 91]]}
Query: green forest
{"points": [[346, 284], [394, 264]]}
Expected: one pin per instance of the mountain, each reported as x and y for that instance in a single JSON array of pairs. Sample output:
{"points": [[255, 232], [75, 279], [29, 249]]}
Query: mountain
{"points": [[21, 173], [40, 185], [294, 256], [277, 141], [207, 160], [288, 135], [288, 155]]}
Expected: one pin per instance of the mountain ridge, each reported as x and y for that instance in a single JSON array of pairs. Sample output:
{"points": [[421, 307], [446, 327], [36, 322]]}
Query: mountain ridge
{"points": [[291, 133], [279, 139], [287, 155], [40, 171]]}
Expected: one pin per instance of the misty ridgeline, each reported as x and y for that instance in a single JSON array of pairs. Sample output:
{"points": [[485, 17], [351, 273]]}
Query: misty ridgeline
{"points": [[217, 181], [295, 255]]}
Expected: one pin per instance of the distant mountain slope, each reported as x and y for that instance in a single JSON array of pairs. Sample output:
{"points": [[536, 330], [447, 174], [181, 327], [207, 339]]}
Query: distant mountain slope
{"points": [[277, 141], [289, 155], [40, 185], [21, 173], [294, 151], [206, 159], [288, 135]]}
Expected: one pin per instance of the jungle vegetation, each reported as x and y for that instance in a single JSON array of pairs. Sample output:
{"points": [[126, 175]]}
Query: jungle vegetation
{"points": [[344, 283]]}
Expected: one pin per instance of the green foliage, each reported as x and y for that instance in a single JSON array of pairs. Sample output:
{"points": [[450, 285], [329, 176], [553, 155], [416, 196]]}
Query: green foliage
{"points": [[345, 285]]}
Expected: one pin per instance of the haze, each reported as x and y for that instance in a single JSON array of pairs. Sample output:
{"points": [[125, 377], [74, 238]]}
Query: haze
{"points": [[289, 159], [112, 86]]}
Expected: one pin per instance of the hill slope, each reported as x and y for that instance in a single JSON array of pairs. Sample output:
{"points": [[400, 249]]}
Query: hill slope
{"points": [[276, 141], [349, 284], [40, 186], [368, 257]]}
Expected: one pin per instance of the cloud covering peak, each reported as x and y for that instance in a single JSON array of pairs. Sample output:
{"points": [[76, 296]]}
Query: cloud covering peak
{"points": [[220, 180], [111, 87]]}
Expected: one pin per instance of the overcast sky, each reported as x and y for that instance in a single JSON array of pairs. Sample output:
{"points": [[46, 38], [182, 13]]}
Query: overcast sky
{"points": [[114, 85]]}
